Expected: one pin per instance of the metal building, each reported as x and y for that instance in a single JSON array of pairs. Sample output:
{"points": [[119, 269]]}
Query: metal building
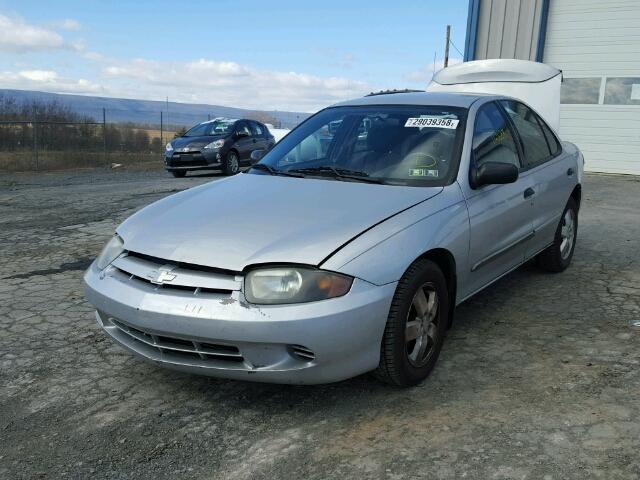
{"points": [[596, 44]]}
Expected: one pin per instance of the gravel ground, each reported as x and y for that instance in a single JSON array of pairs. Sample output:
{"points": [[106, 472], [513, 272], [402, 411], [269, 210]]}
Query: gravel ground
{"points": [[539, 376]]}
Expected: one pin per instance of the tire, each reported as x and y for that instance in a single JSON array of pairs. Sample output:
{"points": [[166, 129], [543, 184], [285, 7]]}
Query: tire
{"points": [[401, 363], [231, 163], [557, 257], [179, 173]]}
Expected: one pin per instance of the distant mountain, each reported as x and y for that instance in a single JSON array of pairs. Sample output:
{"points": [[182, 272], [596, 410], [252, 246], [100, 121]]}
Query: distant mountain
{"points": [[148, 111]]}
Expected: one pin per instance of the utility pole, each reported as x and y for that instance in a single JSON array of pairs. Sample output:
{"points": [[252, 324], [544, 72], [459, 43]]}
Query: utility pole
{"points": [[104, 133], [167, 119], [446, 47], [434, 63]]}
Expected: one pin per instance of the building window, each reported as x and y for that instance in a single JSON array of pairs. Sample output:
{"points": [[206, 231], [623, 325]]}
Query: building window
{"points": [[580, 90], [622, 91]]}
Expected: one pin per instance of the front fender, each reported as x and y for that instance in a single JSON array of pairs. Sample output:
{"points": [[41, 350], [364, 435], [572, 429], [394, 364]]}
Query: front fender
{"points": [[384, 253]]}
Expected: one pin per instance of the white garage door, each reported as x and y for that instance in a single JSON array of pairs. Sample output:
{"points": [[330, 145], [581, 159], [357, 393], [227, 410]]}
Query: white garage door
{"points": [[596, 44]]}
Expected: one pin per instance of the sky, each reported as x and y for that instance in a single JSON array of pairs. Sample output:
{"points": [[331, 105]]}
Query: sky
{"points": [[282, 54]]}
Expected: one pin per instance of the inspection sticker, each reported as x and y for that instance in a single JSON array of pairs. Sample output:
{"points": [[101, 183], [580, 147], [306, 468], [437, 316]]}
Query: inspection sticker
{"points": [[423, 172], [435, 122]]}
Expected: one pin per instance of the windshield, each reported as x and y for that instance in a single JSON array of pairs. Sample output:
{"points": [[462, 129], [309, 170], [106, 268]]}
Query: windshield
{"points": [[216, 127], [395, 144]]}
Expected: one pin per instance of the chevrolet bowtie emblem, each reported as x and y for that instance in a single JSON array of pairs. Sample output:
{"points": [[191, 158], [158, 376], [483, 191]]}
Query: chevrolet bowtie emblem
{"points": [[163, 276]]}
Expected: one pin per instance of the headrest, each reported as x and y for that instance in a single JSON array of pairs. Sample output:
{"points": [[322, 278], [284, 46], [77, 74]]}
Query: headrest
{"points": [[384, 136]]}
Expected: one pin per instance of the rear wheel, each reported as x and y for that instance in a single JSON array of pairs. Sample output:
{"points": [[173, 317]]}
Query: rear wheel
{"points": [[231, 163], [179, 173], [557, 257], [415, 327]]}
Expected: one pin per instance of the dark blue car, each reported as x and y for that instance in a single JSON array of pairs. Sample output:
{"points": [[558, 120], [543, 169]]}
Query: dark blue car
{"points": [[219, 144]]}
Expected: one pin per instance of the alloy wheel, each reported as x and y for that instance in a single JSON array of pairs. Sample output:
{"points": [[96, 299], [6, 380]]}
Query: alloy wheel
{"points": [[421, 333], [233, 163], [567, 233]]}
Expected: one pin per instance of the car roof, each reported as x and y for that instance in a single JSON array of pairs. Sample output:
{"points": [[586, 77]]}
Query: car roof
{"points": [[220, 119], [464, 100]]}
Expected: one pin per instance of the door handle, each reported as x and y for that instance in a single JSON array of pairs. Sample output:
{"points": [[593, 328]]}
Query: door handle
{"points": [[529, 192], [570, 172]]}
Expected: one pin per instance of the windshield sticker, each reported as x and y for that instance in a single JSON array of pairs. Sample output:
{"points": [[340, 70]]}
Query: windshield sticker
{"points": [[433, 122], [423, 172], [424, 160]]}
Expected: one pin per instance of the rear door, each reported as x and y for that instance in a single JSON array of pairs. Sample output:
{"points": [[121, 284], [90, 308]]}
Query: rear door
{"points": [[500, 216], [552, 172]]}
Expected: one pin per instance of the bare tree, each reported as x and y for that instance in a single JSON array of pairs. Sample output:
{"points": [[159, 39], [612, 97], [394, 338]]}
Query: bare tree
{"points": [[264, 117]]}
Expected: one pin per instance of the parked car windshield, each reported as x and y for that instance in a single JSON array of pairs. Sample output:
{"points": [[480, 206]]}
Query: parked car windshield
{"points": [[390, 144], [217, 127]]}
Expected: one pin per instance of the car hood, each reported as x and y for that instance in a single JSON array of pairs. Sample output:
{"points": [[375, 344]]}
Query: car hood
{"points": [[180, 142], [251, 219]]}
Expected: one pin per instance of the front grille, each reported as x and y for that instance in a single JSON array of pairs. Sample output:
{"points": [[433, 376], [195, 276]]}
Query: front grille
{"points": [[303, 353], [180, 347], [192, 159], [146, 271]]}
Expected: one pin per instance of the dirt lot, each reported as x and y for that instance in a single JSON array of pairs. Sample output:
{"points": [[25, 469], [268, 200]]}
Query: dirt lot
{"points": [[539, 377]]}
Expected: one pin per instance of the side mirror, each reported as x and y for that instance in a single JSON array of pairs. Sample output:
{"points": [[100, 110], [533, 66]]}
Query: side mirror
{"points": [[241, 134], [493, 173], [257, 155]]}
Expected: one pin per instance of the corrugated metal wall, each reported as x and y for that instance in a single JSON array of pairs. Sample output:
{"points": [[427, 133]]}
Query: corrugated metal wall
{"points": [[508, 29], [597, 43]]}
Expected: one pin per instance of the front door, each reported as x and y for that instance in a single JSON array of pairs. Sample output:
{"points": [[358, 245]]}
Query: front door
{"points": [[500, 216], [259, 136], [244, 141]]}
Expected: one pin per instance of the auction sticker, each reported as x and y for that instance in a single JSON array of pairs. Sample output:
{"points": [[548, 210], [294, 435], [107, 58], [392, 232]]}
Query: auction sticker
{"points": [[434, 122]]}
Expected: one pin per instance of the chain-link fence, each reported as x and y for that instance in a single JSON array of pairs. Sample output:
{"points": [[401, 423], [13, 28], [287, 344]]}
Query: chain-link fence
{"points": [[41, 135], [32, 145]]}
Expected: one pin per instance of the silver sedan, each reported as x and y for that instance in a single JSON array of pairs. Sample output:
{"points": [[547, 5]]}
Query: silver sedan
{"points": [[347, 247]]}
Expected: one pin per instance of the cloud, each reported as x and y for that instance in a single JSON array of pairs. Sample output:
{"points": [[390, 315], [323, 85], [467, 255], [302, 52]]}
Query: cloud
{"points": [[423, 74], [197, 81], [230, 83], [48, 80], [17, 36], [68, 24]]}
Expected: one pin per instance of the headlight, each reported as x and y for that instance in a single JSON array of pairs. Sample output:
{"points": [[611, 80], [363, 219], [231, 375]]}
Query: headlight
{"points": [[110, 252], [293, 285], [169, 147], [216, 144]]}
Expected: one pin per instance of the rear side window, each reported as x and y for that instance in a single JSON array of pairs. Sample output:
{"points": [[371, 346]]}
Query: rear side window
{"points": [[492, 138], [534, 143], [552, 140]]}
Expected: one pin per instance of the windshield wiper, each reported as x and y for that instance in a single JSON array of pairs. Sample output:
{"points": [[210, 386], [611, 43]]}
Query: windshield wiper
{"points": [[274, 171], [339, 173]]}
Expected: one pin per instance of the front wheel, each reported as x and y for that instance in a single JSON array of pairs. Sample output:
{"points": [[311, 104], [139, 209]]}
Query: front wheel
{"points": [[416, 326], [179, 173], [231, 164], [557, 257]]}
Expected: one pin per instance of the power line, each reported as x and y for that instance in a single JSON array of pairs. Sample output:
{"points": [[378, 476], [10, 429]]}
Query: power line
{"points": [[454, 46]]}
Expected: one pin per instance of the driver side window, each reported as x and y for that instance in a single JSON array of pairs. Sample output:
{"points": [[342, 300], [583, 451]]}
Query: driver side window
{"points": [[244, 128], [492, 138]]}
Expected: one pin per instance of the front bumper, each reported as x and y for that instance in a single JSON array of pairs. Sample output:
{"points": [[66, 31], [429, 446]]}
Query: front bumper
{"points": [[219, 334], [193, 160]]}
